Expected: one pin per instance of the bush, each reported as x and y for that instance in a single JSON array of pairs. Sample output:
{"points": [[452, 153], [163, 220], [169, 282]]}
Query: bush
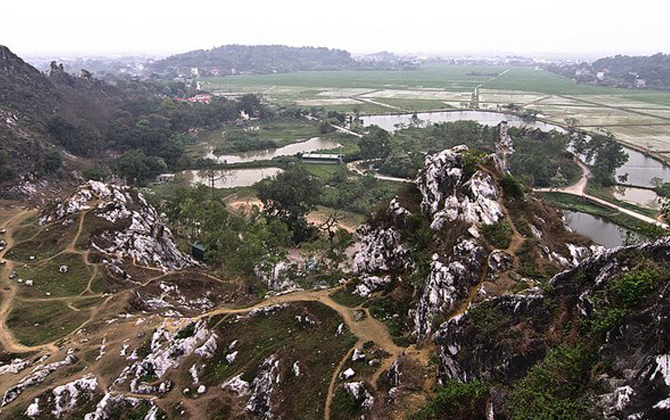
{"points": [[633, 288], [456, 400], [512, 187], [499, 234], [555, 388]]}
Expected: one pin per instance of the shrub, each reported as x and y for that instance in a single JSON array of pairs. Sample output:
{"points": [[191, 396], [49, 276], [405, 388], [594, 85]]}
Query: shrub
{"points": [[512, 187], [499, 234], [554, 389], [456, 400], [631, 289]]}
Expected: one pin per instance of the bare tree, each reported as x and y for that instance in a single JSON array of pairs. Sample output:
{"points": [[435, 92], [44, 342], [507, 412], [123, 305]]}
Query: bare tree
{"points": [[213, 172]]}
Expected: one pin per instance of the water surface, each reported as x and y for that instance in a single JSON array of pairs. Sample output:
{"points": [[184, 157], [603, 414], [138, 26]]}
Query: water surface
{"points": [[389, 121], [234, 178], [600, 230], [640, 196], [311, 145]]}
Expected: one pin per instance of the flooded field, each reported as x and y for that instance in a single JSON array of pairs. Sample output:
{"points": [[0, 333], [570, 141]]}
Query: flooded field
{"points": [[388, 122]]}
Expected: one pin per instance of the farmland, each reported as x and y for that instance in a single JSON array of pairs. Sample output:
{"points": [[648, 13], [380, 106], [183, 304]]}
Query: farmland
{"points": [[637, 117]]}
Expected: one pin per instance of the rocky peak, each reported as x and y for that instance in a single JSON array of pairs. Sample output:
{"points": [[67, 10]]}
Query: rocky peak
{"points": [[460, 198], [127, 225], [448, 196]]}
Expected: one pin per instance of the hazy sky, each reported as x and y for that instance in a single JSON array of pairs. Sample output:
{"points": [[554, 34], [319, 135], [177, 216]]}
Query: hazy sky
{"points": [[577, 27]]}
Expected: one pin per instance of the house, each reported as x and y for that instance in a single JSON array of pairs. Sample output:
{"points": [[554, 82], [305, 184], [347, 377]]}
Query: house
{"points": [[165, 178], [201, 98], [322, 158]]}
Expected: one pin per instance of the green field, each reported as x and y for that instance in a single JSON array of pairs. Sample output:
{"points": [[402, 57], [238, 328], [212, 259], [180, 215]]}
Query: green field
{"points": [[436, 77]]}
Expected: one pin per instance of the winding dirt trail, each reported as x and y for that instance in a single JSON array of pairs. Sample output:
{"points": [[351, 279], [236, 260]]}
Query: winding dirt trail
{"points": [[366, 329]]}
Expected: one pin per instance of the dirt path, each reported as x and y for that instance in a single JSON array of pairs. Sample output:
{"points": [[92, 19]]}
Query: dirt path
{"points": [[367, 329], [353, 167]]}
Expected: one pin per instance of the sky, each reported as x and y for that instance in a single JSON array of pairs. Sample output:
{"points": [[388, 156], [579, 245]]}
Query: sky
{"points": [[477, 27]]}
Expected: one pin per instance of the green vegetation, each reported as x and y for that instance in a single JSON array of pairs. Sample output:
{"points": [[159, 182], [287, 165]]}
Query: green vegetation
{"points": [[360, 195], [451, 78], [259, 135], [46, 243], [288, 198], [240, 244], [498, 234], [487, 320], [632, 289], [344, 406], [554, 389], [391, 310], [512, 187], [541, 160], [579, 204], [47, 278], [317, 347], [458, 400], [530, 80], [35, 323], [347, 298]]}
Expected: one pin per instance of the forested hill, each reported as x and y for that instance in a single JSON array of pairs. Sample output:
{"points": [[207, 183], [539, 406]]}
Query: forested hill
{"points": [[233, 59], [640, 72], [56, 125], [654, 70]]}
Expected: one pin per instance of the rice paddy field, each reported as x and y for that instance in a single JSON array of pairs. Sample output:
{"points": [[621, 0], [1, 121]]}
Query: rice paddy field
{"points": [[637, 117]]}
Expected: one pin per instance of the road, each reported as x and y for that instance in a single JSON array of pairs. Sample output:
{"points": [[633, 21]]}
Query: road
{"points": [[337, 127], [353, 167], [579, 189]]}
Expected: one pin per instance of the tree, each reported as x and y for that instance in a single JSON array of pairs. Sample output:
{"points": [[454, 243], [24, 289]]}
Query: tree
{"points": [[250, 104], [52, 162], [665, 208], [333, 242], [289, 197], [213, 172], [336, 117], [137, 168], [376, 145]]}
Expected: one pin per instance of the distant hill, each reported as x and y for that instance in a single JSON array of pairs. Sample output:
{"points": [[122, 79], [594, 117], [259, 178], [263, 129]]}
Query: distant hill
{"points": [[653, 70], [258, 59], [642, 72]]}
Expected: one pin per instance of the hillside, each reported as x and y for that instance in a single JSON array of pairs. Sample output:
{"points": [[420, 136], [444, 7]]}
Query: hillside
{"points": [[30, 102], [635, 72], [258, 59]]}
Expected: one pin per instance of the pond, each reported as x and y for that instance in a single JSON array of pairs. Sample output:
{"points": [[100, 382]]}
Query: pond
{"points": [[236, 177], [641, 169], [640, 196], [311, 145], [601, 231]]}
